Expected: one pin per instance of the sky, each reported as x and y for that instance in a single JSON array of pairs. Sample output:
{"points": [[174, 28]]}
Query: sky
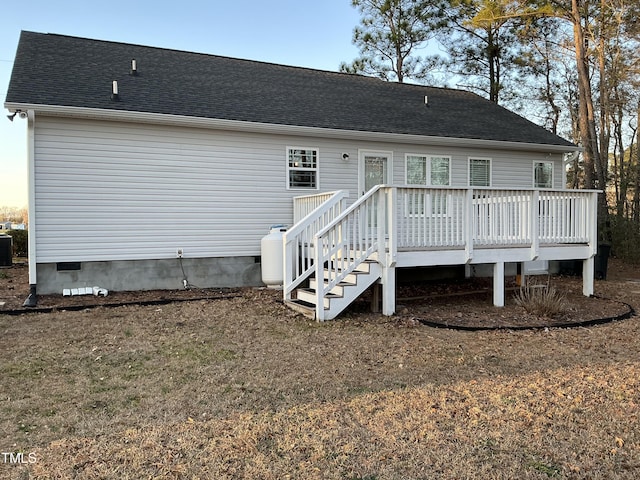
{"points": [[250, 29]]}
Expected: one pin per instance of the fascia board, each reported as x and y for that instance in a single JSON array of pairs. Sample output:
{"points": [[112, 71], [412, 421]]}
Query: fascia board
{"points": [[278, 129]]}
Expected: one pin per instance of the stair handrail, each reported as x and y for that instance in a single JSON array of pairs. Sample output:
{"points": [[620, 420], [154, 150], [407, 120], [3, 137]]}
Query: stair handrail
{"points": [[297, 242], [345, 233]]}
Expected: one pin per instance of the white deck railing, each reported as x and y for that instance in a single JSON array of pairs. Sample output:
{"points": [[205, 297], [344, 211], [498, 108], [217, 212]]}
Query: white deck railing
{"points": [[311, 214], [332, 242], [441, 217], [348, 241], [305, 204]]}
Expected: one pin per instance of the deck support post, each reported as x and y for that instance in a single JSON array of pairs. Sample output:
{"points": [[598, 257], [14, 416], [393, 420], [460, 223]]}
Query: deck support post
{"points": [[498, 284], [521, 278], [588, 272], [376, 290], [388, 290]]}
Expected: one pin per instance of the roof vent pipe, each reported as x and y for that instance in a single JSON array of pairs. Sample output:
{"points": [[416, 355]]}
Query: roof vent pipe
{"points": [[114, 91], [134, 67], [426, 100]]}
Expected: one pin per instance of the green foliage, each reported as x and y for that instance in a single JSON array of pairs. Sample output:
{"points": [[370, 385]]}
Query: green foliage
{"points": [[389, 34], [625, 237], [20, 242]]}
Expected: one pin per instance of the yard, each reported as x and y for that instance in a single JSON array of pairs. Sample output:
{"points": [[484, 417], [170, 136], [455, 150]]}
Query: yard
{"points": [[238, 386]]}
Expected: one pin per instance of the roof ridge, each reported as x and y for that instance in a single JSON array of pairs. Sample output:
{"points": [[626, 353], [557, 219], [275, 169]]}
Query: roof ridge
{"points": [[248, 60]]}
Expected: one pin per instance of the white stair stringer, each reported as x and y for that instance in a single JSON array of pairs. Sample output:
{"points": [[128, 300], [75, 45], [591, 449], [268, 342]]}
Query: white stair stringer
{"points": [[340, 296]]}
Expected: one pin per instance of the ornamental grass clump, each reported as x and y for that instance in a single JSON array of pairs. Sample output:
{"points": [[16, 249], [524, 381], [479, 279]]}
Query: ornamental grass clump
{"points": [[542, 300]]}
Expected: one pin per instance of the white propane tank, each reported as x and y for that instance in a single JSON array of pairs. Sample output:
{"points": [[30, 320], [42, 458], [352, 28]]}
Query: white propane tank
{"points": [[271, 254]]}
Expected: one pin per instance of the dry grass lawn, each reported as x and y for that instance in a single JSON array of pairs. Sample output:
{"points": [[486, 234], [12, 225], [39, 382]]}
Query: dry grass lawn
{"points": [[244, 388]]}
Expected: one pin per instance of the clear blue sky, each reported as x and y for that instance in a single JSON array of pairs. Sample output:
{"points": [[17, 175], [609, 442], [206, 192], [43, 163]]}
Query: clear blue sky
{"points": [[251, 29]]}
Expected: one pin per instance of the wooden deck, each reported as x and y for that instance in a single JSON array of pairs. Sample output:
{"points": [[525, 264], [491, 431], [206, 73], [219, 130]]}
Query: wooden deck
{"points": [[428, 226]]}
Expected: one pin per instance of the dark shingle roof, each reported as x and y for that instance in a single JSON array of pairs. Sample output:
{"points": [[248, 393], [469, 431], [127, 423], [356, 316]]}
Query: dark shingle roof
{"points": [[68, 71]]}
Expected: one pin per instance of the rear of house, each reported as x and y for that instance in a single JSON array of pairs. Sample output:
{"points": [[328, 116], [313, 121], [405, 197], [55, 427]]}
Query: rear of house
{"points": [[136, 153]]}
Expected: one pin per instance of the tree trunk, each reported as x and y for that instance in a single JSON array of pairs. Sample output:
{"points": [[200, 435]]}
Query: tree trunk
{"points": [[586, 122]]}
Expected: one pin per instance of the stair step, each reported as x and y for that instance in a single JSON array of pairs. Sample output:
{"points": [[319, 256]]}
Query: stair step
{"points": [[338, 289], [364, 267], [351, 278], [305, 308], [309, 295], [340, 296]]}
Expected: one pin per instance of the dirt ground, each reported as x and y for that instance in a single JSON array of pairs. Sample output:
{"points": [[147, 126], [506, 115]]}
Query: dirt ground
{"points": [[238, 386]]}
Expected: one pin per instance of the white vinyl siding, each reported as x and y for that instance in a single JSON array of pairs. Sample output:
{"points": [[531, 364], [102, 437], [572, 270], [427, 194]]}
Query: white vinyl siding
{"points": [[479, 172], [116, 191], [123, 191]]}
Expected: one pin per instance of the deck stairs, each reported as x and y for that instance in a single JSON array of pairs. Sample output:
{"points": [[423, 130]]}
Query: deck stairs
{"points": [[338, 297], [331, 253]]}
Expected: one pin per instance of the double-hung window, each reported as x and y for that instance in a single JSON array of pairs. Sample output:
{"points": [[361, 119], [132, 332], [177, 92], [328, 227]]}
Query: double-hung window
{"points": [[479, 172], [543, 174], [427, 170], [302, 168]]}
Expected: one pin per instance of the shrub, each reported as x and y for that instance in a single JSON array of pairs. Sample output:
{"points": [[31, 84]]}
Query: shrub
{"points": [[542, 300], [20, 242], [625, 237]]}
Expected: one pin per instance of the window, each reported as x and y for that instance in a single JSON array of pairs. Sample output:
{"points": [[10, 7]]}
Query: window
{"points": [[302, 168], [543, 174], [432, 171], [436, 169], [479, 172]]}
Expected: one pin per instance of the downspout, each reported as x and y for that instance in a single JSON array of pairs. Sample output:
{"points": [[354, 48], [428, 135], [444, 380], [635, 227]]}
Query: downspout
{"points": [[32, 299]]}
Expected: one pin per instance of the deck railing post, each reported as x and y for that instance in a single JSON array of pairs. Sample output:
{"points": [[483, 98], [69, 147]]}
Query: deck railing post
{"points": [[319, 273], [588, 265], [469, 224], [287, 266], [381, 222], [534, 221], [392, 203], [593, 219]]}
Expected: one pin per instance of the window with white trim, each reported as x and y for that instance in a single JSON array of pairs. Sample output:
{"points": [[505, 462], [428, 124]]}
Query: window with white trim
{"points": [[543, 174], [302, 168], [428, 170], [479, 172]]}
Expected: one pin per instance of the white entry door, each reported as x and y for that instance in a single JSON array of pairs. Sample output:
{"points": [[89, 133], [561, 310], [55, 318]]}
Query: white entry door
{"points": [[375, 169]]}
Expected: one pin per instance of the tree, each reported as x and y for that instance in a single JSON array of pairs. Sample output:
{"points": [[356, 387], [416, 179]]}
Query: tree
{"points": [[482, 38], [389, 34]]}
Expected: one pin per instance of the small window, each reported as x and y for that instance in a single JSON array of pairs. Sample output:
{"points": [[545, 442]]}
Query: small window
{"points": [[479, 172], [302, 168], [440, 171], [543, 174], [416, 170]]}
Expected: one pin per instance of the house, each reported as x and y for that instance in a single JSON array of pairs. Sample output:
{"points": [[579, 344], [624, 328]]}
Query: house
{"points": [[126, 142], [5, 225]]}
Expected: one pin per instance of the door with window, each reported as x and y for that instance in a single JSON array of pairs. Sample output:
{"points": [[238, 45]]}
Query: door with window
{"points": [[374, 169]]}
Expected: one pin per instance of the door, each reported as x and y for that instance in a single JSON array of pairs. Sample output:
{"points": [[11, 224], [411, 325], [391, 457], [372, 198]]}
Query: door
{"points": [[375, 169]]}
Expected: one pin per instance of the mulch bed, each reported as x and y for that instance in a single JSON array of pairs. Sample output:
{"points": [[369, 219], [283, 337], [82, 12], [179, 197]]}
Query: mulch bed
{"points": [[461, 304]]}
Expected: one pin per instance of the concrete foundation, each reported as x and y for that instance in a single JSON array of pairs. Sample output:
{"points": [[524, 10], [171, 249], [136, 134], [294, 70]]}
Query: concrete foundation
{"points": [[166, 274]]}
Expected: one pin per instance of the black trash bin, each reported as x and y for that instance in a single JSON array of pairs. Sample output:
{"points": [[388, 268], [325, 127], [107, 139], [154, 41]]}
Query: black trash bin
{"points": [[601, 261], [6, 250]]}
